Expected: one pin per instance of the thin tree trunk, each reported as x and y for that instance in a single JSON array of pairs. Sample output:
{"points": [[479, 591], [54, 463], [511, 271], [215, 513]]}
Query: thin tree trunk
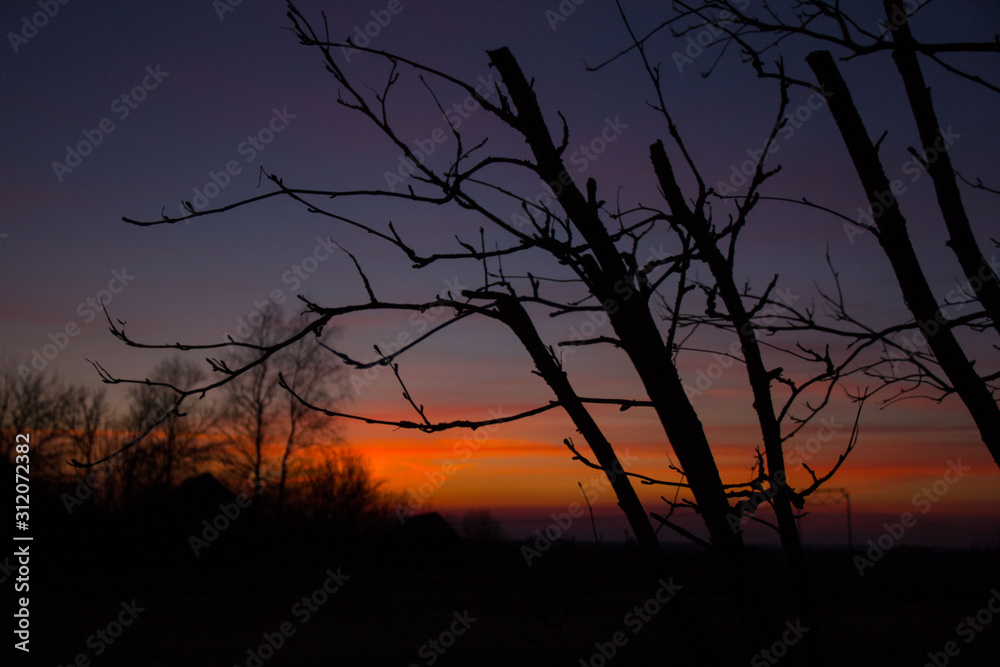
{"points": [[962, 241], [627, 307], [282, 480], [512, 314], [690, 630], [895, 241], [759, 377], [628, 311], [258, 442]]}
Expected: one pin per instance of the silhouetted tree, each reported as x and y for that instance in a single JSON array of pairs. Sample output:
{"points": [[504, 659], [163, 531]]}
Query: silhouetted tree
{"points": [[595, 267], [948, 368], [318, 377], [267, 427], [340, 490], [86, 421], [34, 403], [250, 408], [176, 446]]}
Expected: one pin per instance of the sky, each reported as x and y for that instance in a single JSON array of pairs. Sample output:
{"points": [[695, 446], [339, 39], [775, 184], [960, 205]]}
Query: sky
{"points": [[122, 109]]}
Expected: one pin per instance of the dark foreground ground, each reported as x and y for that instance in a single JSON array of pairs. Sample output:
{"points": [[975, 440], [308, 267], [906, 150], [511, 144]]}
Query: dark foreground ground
{"points": [[479, 603]]}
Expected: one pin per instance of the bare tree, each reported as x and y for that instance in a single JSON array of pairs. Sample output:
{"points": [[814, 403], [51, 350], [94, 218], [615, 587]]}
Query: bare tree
{"points": [[269, 427], [33, 403], [319, 378], [250, 409], [176, 447], [894, 239], [589, 262], [86, 421], [949, 368], [339, 489]]}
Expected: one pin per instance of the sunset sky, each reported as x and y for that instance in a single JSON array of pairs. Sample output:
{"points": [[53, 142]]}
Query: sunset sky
{"points": [[210, 79]]}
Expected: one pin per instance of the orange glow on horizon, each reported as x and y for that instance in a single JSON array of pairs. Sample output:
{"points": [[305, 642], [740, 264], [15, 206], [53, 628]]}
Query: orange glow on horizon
{"points": [[523, 467]]}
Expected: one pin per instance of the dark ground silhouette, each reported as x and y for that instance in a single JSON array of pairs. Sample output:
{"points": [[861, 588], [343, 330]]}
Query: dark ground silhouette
{"points": [[419, 594]]}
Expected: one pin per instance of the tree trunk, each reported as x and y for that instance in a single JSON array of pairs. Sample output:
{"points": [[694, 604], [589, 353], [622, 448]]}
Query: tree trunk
{"points": [[627, 307], [689, 628], [895, 241], [962, 241], [283, 479], [512, 314], [628, 310], [759, 377], [258, 451]]}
